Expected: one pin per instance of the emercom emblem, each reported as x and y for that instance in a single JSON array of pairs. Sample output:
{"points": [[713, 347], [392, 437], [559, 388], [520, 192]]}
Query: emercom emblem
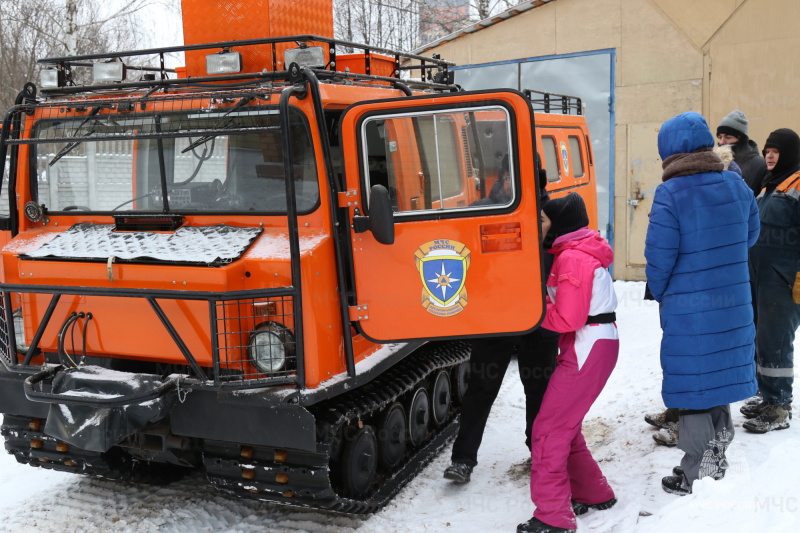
{"points": [[443, 266]]}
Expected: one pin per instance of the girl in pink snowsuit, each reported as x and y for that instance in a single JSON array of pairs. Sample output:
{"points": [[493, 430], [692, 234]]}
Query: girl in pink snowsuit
{"points": [[565, 479]]}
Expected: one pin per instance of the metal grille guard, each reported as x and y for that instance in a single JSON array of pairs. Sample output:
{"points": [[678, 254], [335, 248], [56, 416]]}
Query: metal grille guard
{"points": [[279, 300], [90, 401]]}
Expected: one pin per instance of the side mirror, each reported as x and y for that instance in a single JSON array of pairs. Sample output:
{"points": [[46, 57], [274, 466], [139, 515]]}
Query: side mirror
{"points": [[381, 218]]}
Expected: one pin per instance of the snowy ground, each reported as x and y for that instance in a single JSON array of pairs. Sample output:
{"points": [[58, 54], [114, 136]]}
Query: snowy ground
{"points": [[760, 493]]}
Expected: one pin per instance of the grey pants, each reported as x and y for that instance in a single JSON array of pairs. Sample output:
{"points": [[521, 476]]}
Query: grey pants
{"points": [[704, 435]]}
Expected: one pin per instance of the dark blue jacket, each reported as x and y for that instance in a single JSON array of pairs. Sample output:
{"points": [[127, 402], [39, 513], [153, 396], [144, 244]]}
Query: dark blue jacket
{"points": [[701, 227], [775, 258]]}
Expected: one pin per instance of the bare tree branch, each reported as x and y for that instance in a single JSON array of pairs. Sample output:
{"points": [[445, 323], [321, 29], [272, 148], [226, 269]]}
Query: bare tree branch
{"points": [[47, 28], [407, 24]]}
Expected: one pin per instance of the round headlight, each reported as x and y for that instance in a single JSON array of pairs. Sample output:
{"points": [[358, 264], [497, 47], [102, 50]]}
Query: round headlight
{"points": [[271, 347], [19, 331]]}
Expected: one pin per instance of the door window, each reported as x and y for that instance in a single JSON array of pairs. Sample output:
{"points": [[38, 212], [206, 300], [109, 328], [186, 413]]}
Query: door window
{"points": [[428, 163]]}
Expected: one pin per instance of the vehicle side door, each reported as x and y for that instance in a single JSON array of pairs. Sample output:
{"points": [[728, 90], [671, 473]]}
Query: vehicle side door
{"points": [[463, 258]]}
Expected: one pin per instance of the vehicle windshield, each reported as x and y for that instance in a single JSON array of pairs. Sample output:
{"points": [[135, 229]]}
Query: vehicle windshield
{"points": [[223, 161]]}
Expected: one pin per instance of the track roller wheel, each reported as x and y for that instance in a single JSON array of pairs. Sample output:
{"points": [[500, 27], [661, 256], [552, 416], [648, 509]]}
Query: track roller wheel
{"points": [[418, 416], [440, 398], [392, 436], [460, 374], [359, 461]]}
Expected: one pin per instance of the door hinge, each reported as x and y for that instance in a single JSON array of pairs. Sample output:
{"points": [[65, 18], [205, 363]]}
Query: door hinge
{"points": [[359, 312], [348, 199]]}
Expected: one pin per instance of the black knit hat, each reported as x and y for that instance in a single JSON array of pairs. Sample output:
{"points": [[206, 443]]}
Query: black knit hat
{"points": [[567, 214], [787, 143]]}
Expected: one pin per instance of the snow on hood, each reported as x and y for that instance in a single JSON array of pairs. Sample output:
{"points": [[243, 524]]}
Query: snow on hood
{"points": [[24, 243], [205, 244], [276, 245]]}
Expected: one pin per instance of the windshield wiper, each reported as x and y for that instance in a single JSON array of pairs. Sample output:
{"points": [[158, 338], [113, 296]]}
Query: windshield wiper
{"points": [[71, 146], [202, 140]]}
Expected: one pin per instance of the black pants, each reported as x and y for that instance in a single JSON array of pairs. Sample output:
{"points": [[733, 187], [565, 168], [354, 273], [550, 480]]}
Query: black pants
{"points": [[536, 354]]}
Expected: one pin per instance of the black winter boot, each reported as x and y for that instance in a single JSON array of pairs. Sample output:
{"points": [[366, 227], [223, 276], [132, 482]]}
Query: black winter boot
{"points": [[458, 472], [582, 508], [676, 485], [534, 525]]}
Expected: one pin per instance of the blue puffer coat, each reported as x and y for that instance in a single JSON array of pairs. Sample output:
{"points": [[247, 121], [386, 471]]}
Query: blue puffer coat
{"points": [[701, 227]]}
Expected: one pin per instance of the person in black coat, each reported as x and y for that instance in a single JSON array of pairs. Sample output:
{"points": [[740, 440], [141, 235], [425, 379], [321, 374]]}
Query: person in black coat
{"points": [[733, 130], [775, 278], [535, 352]]}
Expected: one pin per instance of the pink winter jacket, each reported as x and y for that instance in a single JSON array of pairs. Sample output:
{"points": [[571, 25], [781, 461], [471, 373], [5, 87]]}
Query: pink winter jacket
{"points": [[579, 284]]}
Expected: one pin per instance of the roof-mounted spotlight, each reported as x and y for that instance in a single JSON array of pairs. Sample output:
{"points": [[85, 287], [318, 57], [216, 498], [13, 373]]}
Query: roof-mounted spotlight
{"points": [[305, 56], [108, 72], [51, 78], [224, 62]]}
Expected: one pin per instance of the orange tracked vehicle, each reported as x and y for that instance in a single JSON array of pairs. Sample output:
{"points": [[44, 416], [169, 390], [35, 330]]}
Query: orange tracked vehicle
{"points": [[263, 264]]}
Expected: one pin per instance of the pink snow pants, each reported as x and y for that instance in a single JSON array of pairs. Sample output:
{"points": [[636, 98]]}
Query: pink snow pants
{"points": [[562, 468]]}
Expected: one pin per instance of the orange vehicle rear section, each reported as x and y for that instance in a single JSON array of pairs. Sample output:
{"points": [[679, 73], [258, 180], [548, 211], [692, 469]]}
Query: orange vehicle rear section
{"points": [[565, 149]]}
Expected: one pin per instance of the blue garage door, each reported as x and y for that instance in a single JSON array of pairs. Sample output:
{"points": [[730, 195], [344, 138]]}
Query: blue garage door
{"points": [[589, 76]]}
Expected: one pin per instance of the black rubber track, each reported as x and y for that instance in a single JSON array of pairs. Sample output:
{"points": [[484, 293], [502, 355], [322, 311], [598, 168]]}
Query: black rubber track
{"points": [[311, 484], [365, 403]]}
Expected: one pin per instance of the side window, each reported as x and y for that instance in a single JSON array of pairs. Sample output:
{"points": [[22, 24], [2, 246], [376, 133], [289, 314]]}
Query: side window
{"points": [[440, 160], [575, 158], [551, 160]]}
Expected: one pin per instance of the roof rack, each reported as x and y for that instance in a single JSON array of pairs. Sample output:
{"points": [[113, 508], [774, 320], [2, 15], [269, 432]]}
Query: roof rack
{"points": [[547, 102], [135, 108], [434, 73]]}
